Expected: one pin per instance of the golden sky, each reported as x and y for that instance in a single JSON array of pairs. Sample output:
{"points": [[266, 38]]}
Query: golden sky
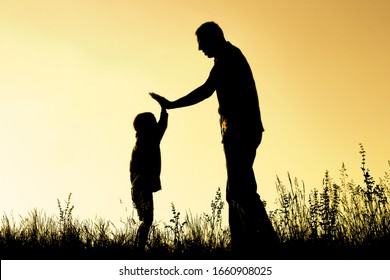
{"points": [[73, 75]]}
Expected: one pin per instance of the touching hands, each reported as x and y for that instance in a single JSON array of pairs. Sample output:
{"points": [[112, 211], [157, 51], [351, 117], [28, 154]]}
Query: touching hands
{"points": [[164, 103]]}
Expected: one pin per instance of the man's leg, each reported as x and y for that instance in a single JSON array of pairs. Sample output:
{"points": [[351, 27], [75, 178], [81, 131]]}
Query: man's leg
{"points": [[241, 186], [249, 223], [238, 234]]}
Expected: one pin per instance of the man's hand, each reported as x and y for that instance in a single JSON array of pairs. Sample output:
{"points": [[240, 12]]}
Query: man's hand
{"points": [[165, 103]]}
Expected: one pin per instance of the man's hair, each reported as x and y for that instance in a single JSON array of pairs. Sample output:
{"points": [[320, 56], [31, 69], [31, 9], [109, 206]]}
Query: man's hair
{"points": [[210, 31]]}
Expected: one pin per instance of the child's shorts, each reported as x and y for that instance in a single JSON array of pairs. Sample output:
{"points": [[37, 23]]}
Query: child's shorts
{"points": [[143, 202]]}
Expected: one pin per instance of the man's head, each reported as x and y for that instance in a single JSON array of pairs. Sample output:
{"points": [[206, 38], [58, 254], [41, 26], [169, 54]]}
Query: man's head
{"points": [[210, 38]]}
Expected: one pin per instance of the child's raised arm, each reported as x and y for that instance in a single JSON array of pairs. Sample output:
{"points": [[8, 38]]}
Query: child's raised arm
{"points": [[163, 121]]}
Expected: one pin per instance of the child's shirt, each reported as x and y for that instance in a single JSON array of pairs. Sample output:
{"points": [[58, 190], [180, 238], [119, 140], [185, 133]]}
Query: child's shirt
{"points": [[145, 164]]}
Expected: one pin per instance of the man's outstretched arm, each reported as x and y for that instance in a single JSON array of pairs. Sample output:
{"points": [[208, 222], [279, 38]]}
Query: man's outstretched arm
{"points": [[195, 96]]}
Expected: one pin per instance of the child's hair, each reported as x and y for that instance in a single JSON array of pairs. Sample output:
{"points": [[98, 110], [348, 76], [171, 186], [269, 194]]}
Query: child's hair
{"points": [[144, 121]]}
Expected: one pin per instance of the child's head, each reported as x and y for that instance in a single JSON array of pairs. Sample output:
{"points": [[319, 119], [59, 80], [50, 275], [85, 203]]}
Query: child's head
{"points": [[144, 123]]}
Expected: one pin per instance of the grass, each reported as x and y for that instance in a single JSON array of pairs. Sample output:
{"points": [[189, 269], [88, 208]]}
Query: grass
{"points": [[63, 237], [344, 220], [341, 220]]}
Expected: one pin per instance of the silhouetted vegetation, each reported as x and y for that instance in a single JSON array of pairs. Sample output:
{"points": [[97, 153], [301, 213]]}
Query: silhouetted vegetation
{"points": [[341, 220]]}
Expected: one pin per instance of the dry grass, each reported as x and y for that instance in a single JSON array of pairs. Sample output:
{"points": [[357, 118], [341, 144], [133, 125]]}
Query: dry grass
{"points": [[339, 221]]}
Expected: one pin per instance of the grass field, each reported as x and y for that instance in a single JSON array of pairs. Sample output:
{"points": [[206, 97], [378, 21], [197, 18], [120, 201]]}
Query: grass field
{"points": [[342, 220]]}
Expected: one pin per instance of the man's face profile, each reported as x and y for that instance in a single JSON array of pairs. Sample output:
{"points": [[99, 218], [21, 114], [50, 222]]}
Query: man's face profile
{"points": [[206, 46]]}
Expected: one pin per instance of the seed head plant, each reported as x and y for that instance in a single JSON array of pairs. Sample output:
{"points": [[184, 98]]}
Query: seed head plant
{"points": [[341, 219]]}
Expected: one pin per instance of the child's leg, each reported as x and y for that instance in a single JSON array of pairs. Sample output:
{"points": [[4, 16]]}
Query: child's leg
{"points": [[145, 212]]}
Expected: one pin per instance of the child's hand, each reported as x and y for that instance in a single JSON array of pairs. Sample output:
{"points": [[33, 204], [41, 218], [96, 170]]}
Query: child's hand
{"points": [[164, 103]]}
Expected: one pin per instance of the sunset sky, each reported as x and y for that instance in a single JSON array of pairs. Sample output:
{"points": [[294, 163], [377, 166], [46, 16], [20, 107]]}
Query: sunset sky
{"points": [[74, 74]]}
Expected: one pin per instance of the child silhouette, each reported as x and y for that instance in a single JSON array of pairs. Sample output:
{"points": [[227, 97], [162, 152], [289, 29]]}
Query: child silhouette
{"points": [[145, 168]]}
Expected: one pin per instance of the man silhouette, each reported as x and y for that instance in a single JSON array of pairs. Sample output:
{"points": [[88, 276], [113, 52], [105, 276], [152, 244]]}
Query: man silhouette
{"points": [[241, 128]]}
